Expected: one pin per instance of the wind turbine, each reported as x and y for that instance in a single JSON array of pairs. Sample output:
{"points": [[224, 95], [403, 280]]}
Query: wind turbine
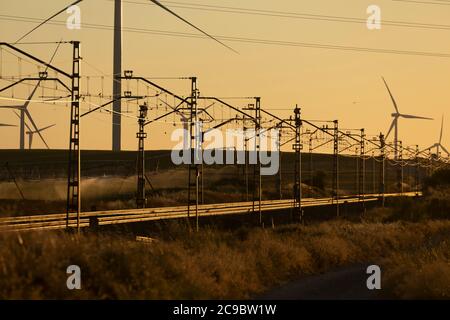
{"points": [[25, 113], [31, 132], [438, 145], [397, 115]]}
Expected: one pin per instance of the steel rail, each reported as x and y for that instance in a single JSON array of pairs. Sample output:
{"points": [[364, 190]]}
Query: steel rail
{"points": [[57, 221]]}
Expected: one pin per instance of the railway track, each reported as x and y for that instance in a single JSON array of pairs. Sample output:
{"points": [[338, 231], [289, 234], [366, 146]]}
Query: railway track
{"points": [[102, 218]]}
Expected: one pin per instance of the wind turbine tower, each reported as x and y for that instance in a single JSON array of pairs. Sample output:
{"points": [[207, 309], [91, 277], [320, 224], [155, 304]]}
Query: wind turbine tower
{"points": [[117, 73]]}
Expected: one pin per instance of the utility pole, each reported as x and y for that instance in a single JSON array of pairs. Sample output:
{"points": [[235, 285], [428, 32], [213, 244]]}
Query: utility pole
{"points": [[257, 182], [336, 165], [22, 128], [400, 160], [357, 182], [383, 168], [417, 170], [362, 175], [117, 74], [194, 168], [311, 173], [74, 176], [141, 200], [247, 157], [280, 189], [200, 178], [297, 146], [374, 188]]}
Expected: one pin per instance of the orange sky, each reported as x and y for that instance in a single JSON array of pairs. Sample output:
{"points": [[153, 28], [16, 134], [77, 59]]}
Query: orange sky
{"points": [[328, 84]]}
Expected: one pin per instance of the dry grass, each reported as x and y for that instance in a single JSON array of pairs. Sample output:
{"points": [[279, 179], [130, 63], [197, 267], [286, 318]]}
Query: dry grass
{"points": [[221, 264], [421, 274]]}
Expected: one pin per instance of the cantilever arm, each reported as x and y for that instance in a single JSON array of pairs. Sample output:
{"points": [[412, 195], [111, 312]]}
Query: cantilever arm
{"points": [[35, 79]]}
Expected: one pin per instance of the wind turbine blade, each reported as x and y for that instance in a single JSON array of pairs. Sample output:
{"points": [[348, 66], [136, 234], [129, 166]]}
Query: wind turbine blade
{"points": [[48, 127], [7, 125], [392, 97], [192, 25], [35, 127], [409, 116], [442, 130], [390, 129], [25, 105], [18, 116], [48, 19]]}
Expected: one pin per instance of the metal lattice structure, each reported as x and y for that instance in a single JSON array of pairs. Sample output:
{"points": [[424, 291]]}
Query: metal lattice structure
{"points": [[335, 192], [195, 147], [74, 176], [141, 199], [297, 147]]}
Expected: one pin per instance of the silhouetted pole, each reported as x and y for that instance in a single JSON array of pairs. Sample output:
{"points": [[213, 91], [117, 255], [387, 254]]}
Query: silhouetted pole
{"points": [[336, 165], [298, 165], [257, 182], [280, 189], [141, 135], [374, 188], [358, 191], [247, 157], [362, 176], [74, 176], [311, 173], [194, 168], [362, 154], [22, 129], [117, 73], [417, 170], [400, 160], [383, 168]]}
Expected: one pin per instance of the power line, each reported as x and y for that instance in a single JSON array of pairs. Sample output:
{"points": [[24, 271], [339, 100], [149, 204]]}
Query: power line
{"points": [[292, 15], [192, 25], [244, 40], [43, 22], [442, 3]]}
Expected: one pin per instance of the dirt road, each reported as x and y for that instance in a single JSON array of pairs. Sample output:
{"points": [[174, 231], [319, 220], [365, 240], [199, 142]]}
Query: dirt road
{"points": [[348, 283]]}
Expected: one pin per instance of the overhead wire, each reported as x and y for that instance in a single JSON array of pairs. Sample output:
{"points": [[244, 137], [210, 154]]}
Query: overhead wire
{"points": [[290, 15], [249, 40]]}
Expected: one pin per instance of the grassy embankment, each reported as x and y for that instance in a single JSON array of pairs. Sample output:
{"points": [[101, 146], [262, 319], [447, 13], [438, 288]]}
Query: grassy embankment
{"points": [[410, 240]]}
